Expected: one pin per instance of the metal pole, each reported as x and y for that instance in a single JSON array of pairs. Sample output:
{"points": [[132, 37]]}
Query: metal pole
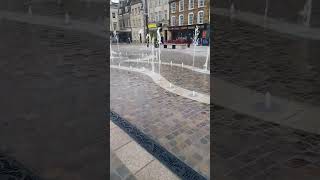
{"points": [[147, 17]]}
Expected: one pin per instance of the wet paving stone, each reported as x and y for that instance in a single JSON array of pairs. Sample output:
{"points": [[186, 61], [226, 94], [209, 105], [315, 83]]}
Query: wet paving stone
{"points": [[265, 60], [256, 152], [167, 124], [56, 93]]}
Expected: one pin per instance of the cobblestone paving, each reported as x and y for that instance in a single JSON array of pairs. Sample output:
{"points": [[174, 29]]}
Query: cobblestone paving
{"points": [[250, 149], [178, 124], [118, 170], [264, 60], [53, 84], [178, 76]]}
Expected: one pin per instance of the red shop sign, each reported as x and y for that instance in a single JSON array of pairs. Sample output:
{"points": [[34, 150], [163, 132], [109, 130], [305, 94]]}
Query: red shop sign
{"points": [[204, 34]]}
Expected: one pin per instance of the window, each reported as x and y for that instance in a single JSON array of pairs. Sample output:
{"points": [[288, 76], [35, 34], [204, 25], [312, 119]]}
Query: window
{"points": [[157, 17], [113, 15], [173, 20], [180, 20], [200, 3], [181, 5], [191, 4], [200, 17], [165, 15], [160, 15], [114, 26], [173, 7], [190, 18]]}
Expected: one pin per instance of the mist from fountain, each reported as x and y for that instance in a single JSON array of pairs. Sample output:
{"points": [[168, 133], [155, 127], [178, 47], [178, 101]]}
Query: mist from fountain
{"points": [[195, 43], [266, 9], [306, 13], [159, 43], [30, 10], [232, 10]]}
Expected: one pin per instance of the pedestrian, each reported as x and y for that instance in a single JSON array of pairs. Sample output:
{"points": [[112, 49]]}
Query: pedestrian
{"points": [[148, 39], [129, 40]]}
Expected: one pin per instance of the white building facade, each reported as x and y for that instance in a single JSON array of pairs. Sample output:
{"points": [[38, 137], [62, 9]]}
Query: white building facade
{"points": [[137, 19], [158, 13]]}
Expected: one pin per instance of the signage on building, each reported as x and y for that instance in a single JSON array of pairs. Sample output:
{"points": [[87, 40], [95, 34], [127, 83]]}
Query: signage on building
{"points": [[204, 34], [152, 25]]}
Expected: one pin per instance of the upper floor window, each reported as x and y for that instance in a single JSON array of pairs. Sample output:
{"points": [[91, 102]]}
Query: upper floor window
{"points": [[181, 5], [190, 18], [165, 15], [173, 7], [160, 15], [157, 16], [191, 4], [200, 3], [200, 17], [173, 20], [181, 20]]}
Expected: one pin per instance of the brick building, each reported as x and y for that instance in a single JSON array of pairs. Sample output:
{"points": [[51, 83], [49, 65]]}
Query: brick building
{"points": [[184, 15]]}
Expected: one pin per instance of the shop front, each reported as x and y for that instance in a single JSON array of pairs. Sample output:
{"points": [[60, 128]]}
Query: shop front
{"points": [[186, 33]]}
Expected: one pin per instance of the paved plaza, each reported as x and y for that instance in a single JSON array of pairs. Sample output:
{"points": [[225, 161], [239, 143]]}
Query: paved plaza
{"points": [[249, 142]]}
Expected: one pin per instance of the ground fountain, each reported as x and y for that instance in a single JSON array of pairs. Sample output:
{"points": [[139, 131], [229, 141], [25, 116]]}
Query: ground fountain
{"points": [[206, 64], [268, 100], [195, 43], [232, 10], [159, 42], [67, 18], [265, 13], [117, 39]]}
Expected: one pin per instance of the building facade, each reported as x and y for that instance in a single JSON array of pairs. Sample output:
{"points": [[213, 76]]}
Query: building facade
{"points": [[158, 17], [185, 15], [124, 20], [137, 19], [114, 20]]}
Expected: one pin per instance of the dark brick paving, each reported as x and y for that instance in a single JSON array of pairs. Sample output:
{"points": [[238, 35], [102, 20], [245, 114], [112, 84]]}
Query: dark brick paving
{"points": [[53, 87], [247, 148], [178, 124], [264, 60]]}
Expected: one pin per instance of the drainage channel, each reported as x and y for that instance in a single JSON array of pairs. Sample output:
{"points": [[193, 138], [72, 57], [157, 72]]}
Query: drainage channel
{"points": [[178, 167]]}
